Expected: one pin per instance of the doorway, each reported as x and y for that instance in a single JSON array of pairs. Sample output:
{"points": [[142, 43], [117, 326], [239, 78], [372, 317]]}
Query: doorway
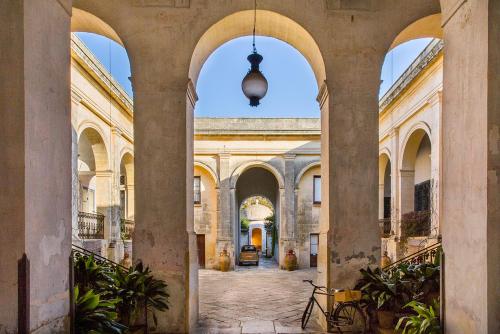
{"points": [[200, 242], [313, 253]]}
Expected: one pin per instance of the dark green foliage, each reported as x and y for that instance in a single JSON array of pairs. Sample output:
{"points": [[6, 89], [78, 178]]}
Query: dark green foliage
{"points": [[90, 274], [270, 226], [95, 315], [425, 319], [113, 297], [137, 288], [245, 224]]}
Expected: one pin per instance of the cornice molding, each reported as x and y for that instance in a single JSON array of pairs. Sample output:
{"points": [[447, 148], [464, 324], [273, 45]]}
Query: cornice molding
{"points": [[85, 58], [423, 60]]}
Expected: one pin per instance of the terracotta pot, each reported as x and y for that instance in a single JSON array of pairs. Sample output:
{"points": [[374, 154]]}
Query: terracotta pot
{"points": [[290, 260], [385, 260], [385, 319], [224, 261]]}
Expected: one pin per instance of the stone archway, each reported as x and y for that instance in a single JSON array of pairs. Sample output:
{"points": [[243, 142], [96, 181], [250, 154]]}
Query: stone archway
{"points": [[255, 180]]}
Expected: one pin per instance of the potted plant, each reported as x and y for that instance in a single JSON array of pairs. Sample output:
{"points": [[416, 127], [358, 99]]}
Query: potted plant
{"points": [[382, 294]]}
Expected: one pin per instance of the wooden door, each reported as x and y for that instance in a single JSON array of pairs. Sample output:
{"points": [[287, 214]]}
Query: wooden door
{"points": [[313, 258], [200, 242]]}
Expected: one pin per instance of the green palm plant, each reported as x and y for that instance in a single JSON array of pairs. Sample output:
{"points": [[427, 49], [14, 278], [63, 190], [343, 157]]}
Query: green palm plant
{"points": [[95, 315], [90, 274], [136, 288], [424, 321]]}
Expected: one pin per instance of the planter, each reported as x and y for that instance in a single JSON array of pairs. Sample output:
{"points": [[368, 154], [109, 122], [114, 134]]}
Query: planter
{"points": [[224, 261], [385, 319], [290, 260]]}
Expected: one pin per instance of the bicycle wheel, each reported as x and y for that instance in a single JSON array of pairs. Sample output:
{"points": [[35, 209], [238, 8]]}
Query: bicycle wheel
{"points": [[349, 318], [307, 313]]}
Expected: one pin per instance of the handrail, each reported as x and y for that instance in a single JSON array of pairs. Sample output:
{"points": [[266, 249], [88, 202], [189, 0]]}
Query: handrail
{"points": [[90, 225], [78, 251], [424, 255]]}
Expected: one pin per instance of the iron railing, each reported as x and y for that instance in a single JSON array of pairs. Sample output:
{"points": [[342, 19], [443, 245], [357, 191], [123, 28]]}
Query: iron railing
{"points": [[90, 225], [385, 227], [126, 228], [426, 255]]}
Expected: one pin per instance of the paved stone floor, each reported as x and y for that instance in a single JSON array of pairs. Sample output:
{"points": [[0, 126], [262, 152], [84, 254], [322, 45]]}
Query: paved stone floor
{"points": [[253, 299]]}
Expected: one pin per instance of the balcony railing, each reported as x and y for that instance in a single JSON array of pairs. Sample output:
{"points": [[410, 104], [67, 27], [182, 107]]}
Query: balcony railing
{"points": [[90, 225], [416, 224], [385, 227], [126, 228]]}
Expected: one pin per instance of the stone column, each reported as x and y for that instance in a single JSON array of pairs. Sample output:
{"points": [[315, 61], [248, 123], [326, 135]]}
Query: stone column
{"points": [[116, 251], [435, 103], [381, 194], [406, 191], [349, 156], [163, 237], [287, 206], [470, 209], [227, 210], [75, 183], [104, 200], [35, 195], [392, 246]]}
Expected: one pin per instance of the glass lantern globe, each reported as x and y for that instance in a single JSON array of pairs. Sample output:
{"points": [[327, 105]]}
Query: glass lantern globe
{"points": [[254, 84]]}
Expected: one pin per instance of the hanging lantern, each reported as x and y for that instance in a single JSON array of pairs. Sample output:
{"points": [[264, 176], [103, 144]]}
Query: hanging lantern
{"points": [[254, 84]]}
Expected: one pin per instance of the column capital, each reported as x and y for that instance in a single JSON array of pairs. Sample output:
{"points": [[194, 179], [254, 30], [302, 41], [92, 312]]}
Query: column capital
{"points": [[289, 156]]}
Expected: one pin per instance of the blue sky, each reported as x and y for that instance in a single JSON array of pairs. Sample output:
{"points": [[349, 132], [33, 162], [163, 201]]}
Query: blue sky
{"points": [[292, 85]]}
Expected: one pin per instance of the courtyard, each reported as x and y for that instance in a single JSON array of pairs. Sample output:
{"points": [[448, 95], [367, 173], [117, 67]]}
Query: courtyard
{"points": [[251, 299]]}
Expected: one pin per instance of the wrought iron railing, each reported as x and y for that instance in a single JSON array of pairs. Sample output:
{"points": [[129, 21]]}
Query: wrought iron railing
{"points": [[90, 225], [126, 228], [426, 255], [416, 224], [79, 252], [385, 227]]}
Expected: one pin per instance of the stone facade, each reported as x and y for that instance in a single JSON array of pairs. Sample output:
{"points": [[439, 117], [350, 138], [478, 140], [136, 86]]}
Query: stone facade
{"points": [[168, 41]]}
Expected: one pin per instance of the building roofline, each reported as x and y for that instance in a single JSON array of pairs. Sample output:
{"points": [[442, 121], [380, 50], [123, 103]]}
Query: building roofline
{"points": [[426, 57]]}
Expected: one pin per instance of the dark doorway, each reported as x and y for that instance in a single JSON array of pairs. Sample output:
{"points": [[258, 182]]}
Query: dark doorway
{"points": [[200, 242], [313, 257]]}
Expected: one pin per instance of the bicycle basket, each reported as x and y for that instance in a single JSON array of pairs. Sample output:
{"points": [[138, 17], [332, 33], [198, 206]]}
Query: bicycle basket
{"points": [[347, 296]]}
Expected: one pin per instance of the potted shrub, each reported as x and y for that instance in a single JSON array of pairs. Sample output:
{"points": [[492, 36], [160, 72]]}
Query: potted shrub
{"points": [[383, 294]]}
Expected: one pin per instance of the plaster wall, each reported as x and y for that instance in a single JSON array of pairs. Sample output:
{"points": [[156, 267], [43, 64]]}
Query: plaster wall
{"points": [[307, 216]]}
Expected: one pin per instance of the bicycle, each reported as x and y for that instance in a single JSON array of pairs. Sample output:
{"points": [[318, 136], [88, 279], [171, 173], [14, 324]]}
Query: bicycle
{"points": [[345, 314]]}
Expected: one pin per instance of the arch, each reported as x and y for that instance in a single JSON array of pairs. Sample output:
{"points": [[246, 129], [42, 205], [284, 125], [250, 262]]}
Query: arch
{"points": [[383, 160], [304, 170], [97, 145], [269, 24], [411, 144], [429, 26], [127, 163], [83, 21], [209, 170], [252, 164]]}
